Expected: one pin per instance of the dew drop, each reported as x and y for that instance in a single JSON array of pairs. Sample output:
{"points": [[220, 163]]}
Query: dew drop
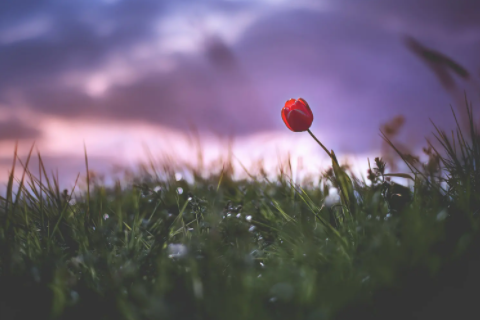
{"points": [[442, 215], [106, 216], [74, 295], [35, 274], [248, 218], [177, 250], [198, 288], [180, 190]]}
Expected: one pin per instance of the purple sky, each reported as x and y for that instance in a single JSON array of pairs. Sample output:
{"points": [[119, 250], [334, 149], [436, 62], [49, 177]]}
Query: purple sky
{"points": [[118, 73]]}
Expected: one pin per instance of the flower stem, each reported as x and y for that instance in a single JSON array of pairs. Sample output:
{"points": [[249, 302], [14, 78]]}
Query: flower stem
{"points": [[321, 145]]}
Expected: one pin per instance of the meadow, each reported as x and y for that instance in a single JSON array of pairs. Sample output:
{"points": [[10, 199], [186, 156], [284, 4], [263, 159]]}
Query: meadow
{"points": [[259, 248]]}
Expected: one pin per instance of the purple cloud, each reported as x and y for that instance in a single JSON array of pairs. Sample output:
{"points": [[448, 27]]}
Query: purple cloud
{"points": [[349, 62]]}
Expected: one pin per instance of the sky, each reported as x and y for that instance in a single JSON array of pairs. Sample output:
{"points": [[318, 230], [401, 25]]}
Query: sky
{"points": [[125, 76]]}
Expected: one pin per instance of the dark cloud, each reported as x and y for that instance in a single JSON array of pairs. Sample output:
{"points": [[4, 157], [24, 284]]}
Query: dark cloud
{"points": [[312, 54], [14, 129], [455, 16], [82, 35], [204, 90], [350, 64], [217, 99], [373, 74]]}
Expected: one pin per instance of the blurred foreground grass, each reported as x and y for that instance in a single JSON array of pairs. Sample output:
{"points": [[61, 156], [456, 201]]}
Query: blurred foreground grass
{"points": [[220, 248]]}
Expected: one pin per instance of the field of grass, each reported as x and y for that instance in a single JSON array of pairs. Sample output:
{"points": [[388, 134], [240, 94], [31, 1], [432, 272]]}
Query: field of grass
{"points": [[219, 248]]}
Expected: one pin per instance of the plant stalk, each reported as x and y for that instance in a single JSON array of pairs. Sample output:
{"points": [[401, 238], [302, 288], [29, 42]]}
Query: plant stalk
{"points": [[321, 145]]}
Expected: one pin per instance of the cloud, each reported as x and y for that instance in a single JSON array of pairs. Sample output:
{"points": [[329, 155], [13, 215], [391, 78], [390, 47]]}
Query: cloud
{"points": [[15, 129], [213, 94], [354, 74], [440, 18], [350, 64], [82, 35], [208, 89]]}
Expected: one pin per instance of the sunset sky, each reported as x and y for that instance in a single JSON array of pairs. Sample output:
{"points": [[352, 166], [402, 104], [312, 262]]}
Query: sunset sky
{"points": [[120, 75]]}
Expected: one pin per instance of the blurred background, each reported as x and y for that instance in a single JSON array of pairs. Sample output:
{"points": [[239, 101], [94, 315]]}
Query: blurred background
{"points": [[163, 79]]}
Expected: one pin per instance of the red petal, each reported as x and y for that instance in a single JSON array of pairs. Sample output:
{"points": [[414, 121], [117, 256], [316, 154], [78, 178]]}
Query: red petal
{"points": [[290, 103], [306, 103], [284, 117], [297, 115]]}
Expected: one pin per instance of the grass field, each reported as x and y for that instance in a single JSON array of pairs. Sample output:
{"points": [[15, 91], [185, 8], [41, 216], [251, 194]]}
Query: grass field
{"points": [[219, 248]]}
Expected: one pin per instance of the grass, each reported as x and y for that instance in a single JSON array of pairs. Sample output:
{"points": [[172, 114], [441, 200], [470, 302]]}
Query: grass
{"points": [[220, 248]]}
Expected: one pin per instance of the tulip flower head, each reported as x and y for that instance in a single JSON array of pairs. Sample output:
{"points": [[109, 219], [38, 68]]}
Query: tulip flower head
{"points": [[297, 115]]}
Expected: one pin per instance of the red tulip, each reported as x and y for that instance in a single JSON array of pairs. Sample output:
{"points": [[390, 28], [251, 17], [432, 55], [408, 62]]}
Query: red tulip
{"points": [[297, 115]]}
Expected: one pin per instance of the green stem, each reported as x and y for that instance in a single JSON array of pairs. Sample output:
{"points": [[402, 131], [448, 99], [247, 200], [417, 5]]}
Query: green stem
{"points": [[321, 145]]}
